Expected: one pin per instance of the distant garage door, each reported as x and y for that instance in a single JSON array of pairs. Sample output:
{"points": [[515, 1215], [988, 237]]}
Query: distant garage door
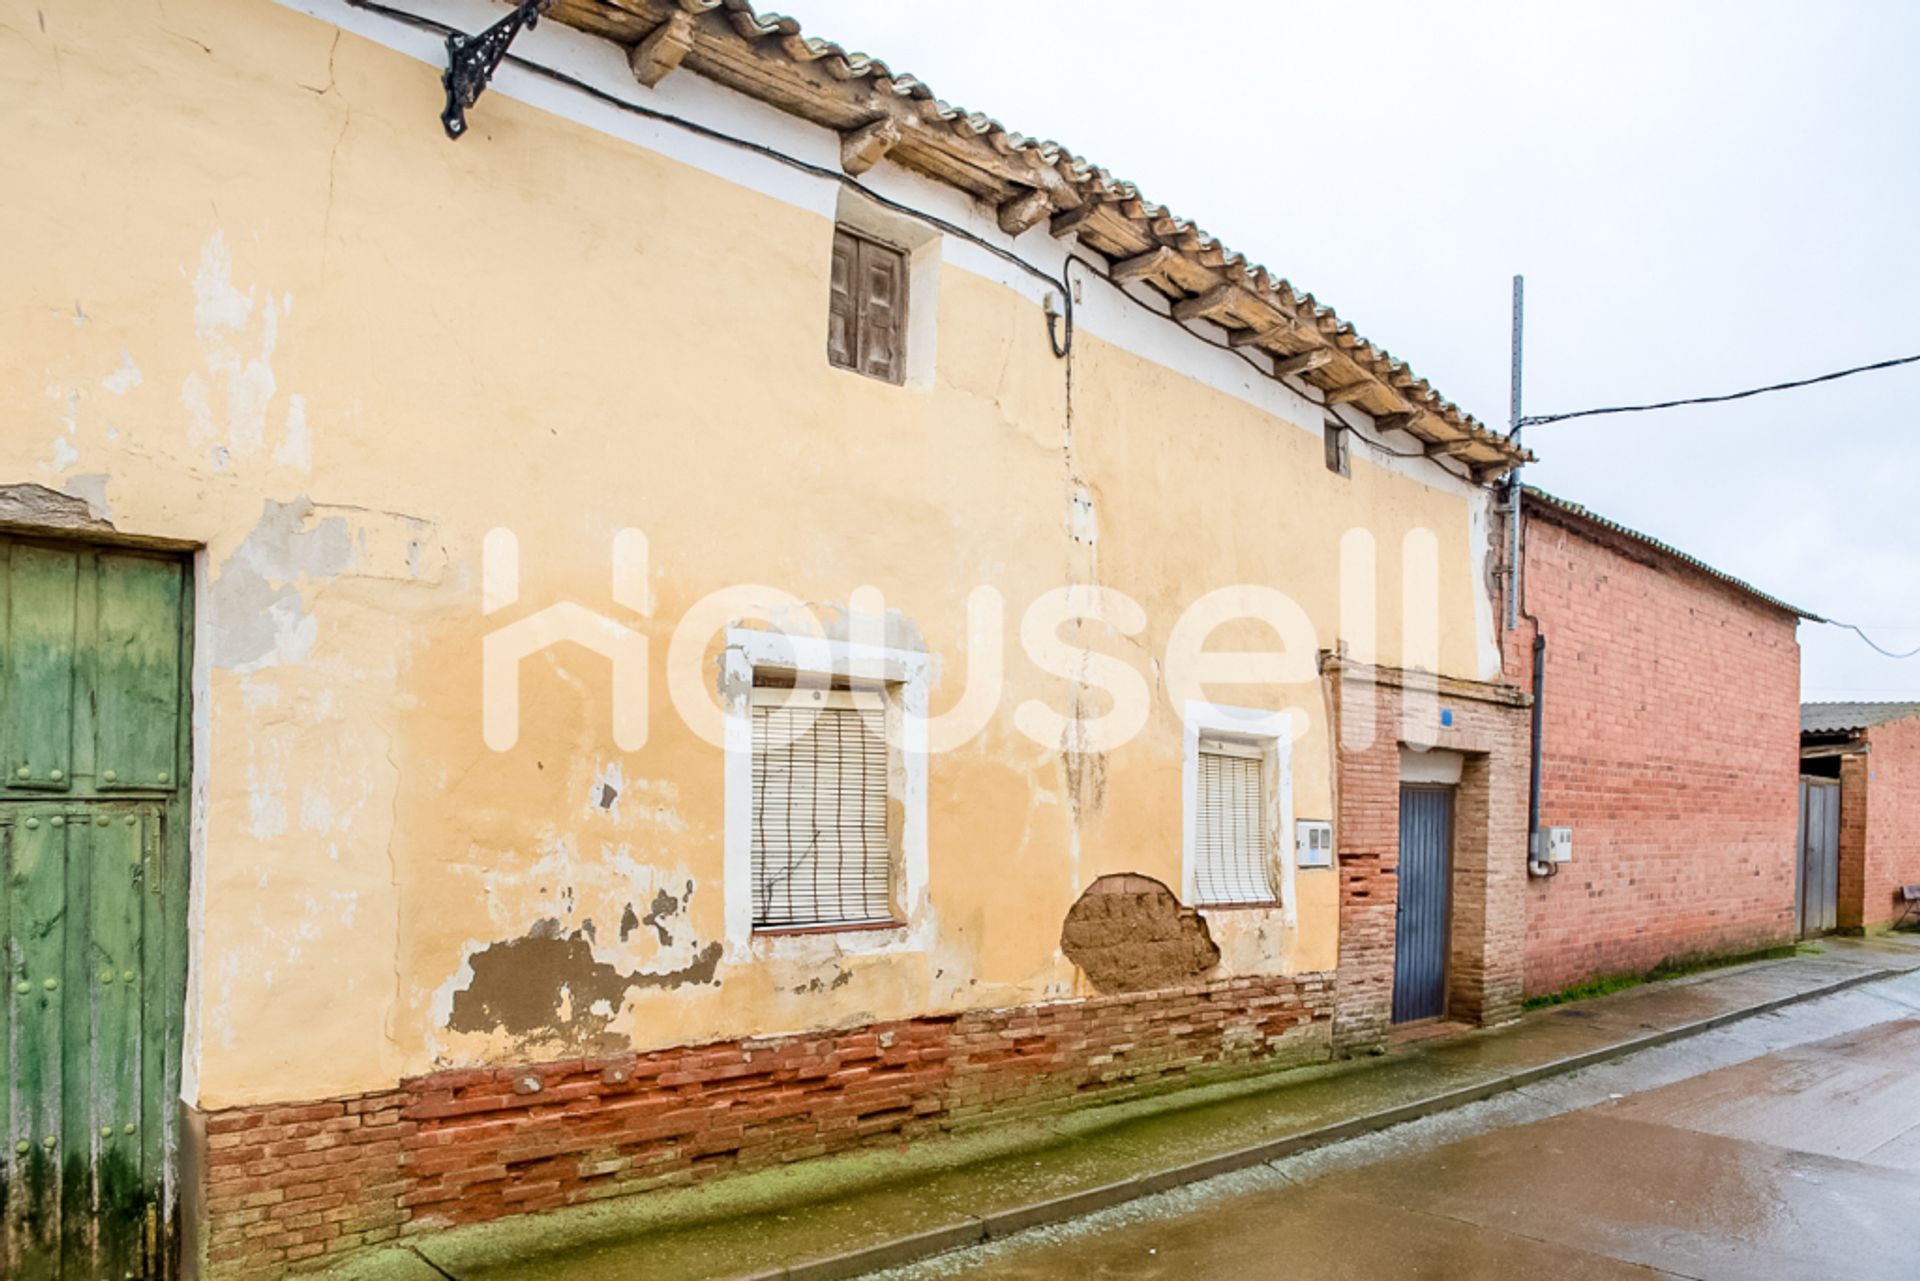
{"points": [[1819, 879]]}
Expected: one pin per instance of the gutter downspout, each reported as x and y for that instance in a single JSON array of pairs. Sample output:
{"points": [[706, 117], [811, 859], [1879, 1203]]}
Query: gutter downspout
{"points": [[1537, 865], [1537, 862]]}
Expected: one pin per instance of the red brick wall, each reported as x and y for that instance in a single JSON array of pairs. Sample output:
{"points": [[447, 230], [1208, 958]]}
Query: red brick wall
{"points": [[1892, 820], [1671, 747], [1489, 725], [1851, 889], [313, 1182]]}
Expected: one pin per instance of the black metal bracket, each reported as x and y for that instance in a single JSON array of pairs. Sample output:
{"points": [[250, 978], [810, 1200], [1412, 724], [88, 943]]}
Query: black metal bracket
{"points": [[472, 60]]}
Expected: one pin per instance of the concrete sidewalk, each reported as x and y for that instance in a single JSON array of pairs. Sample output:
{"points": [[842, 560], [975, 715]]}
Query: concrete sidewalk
{"points": [[843, 1216]]}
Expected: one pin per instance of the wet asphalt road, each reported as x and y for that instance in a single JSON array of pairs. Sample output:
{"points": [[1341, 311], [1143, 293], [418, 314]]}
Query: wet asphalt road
{"points": [[1786, 1146]]}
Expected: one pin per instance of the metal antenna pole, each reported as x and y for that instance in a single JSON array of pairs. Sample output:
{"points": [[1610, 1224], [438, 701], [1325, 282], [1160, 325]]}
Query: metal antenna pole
{"points": [[1513, 477]]}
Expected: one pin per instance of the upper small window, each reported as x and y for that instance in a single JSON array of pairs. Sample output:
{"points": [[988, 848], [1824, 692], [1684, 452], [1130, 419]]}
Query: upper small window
{"points": [[867, 311], [1232, 863], [1336, 438], [822, 853]]}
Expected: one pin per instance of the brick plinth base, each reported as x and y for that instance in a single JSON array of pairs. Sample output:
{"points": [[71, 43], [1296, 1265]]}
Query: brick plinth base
{"points": [[313, 1182], [1377, 712]]}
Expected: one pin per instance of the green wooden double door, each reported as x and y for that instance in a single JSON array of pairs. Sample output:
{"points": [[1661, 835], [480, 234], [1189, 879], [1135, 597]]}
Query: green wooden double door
{"points": [[93, 743]]}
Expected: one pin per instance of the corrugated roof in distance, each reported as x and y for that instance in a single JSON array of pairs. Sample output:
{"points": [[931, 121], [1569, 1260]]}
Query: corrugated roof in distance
{"points": [[1556, 503], [1844, 718]]}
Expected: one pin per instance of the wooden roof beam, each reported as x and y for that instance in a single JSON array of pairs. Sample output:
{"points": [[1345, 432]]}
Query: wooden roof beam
{"points": [[1024, 211], [1312, 358], [1347, 393], [1142, 266], [663, 49], [1211, 305], [1260, 335], [1451, 448], [863, 148]]}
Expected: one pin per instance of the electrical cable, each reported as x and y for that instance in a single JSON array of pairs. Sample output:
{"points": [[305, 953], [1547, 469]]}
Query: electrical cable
{"points": [[1061, 342], [1059, 325], [423, 23], [1101, 272], [1871, 643], [1535, 419]]}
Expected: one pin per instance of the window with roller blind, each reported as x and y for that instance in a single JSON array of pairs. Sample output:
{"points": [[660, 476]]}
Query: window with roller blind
{"points": [[1232, 850], [822, 853], [867, 307]]}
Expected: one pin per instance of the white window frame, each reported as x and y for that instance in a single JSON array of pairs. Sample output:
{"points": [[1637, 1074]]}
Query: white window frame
{"points": [[905, 676], [1271, 734]]}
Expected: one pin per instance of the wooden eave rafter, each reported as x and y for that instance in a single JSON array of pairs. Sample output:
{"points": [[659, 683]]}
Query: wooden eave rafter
{"points": [[767, 58]]}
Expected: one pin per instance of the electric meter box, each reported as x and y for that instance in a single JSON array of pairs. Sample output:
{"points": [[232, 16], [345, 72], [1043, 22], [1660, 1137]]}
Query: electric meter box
{"points": [[1313, 843], [1559, 845]]}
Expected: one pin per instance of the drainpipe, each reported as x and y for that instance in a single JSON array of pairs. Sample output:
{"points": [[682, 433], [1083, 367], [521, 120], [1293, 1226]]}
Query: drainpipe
{"points": [[1537, 865]]}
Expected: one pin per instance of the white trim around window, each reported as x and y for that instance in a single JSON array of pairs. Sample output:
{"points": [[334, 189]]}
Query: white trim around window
{"points": [[1249, 734], [903, 678]]}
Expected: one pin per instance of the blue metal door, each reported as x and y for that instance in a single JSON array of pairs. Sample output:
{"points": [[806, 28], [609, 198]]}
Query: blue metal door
{"points": [[1420, 928]]}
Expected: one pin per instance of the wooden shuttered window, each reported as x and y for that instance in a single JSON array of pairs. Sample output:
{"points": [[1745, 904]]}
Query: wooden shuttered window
{"points": [[1232, 862], [867, 308], [821, 851]]}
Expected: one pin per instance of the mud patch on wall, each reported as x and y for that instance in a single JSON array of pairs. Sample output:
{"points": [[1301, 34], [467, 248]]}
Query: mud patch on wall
{"points": [[549, 984], [1129, 934]]}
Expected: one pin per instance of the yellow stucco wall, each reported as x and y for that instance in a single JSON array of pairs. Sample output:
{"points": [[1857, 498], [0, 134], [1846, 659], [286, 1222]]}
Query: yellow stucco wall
{"points": [[254, 299]]}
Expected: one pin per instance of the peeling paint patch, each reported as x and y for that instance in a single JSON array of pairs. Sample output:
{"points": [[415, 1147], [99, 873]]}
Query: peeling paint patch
{"points": [[92, 486], [266, 802], [549, 984], [664, 905], [604, 795], [259, 618], [1083, 521], [316, 810], [228, 399], [296, 449], [259, 614], [814, 984], [125, 378]]}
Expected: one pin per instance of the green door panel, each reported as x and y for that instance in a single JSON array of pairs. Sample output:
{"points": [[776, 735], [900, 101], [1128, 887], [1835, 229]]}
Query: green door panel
{"points": [[37, 721], [112, 1172], [81, 942], [136, 673], [36, 990], [93, 705]]}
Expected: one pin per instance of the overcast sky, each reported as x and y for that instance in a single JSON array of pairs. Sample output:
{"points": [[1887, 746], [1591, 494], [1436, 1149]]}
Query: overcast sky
{"points": [[1702, 196]]}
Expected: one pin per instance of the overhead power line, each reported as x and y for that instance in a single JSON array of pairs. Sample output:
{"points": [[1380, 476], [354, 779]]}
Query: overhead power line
{"points": [[1534, 419], [1871, 643]]}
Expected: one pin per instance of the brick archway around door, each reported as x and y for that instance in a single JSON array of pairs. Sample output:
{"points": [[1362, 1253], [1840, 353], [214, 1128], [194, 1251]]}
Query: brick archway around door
{"points": [[1375, 712]]}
